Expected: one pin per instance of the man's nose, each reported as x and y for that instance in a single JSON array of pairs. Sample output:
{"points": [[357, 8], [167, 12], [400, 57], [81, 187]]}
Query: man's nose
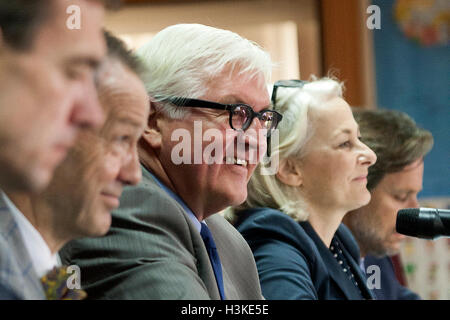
{"points": [[87, 110], [254, 140], [413, 203], [130, 171]]}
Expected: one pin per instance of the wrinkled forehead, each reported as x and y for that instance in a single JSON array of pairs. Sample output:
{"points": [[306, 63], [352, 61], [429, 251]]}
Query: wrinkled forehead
{"points": [[236, 86], [122, 95]]}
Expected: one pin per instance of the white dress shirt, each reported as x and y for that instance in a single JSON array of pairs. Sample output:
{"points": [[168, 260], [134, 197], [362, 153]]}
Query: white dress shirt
{"points": [[42, 258], [361, 265]]}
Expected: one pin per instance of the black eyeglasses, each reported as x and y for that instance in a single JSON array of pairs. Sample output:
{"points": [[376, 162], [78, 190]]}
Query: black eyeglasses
{"points": [[286, 84], [241, 115]]}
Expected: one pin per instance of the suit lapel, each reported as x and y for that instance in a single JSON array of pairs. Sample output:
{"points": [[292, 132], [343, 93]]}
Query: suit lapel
{"points": [[16, 268], [333, 267], [352, 255], [204, 268], [228, 279]]}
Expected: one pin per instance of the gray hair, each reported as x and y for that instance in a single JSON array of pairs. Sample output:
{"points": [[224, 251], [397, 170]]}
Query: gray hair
{"points": [[296, 129], [183, 58], [117, 49]]}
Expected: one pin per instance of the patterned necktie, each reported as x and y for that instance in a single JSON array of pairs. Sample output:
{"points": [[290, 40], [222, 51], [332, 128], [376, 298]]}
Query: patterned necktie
{"points": [[55, 286], [213, 257]]}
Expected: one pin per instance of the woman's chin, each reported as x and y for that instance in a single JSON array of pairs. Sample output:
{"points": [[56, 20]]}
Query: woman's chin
{"points": [[361, 201]]}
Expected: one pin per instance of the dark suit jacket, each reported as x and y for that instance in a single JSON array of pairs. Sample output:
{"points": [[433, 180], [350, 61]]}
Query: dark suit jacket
{"points": [[294, 263], [390, 288], [154, 251]]}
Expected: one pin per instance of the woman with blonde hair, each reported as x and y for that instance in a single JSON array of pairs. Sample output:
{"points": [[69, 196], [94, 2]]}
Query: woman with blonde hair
{"points": [[292, 219]]}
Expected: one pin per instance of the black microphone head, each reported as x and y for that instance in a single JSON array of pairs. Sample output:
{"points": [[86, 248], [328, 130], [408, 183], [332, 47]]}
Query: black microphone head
{"points": [[408, 221], [426, 223]]}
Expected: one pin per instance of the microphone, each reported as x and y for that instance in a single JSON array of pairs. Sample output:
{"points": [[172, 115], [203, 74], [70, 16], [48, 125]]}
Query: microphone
{"points": [[425, 223]]}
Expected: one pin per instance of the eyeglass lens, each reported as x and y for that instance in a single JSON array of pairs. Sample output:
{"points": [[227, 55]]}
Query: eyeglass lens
{"points": [[242, 117]]}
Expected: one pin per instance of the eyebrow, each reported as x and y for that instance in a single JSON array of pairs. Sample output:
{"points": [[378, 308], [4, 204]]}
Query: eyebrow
{"points": [[347, 131], [129, 121], [90, 62], [408, 191], [232, 99], [343, 131]]}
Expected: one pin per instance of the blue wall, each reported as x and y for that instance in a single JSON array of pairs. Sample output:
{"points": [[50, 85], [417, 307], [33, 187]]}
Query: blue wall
{"points": [[416, 80]]}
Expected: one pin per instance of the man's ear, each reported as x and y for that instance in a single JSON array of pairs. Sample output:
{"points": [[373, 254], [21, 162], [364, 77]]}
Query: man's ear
{"points": [[152, 133], [289, 173]]}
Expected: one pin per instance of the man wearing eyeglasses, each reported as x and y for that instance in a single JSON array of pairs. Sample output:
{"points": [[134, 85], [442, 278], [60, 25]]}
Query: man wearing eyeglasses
{"points": [[166, 242]]}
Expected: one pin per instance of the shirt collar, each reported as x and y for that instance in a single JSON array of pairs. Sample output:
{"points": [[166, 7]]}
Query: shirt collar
{"points": [[361, 265], [42, 258], [174, 196]]}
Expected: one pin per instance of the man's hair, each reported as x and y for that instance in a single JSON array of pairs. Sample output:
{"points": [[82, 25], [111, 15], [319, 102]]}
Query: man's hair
{"points": [[297, 106], [394, 137], [116, 48], [184, 59], [19, 19]]}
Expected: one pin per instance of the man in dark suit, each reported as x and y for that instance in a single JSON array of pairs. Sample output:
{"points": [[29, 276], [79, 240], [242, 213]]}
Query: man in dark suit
{"points": [[166, 240], [47, 91], [394, 182], [85, 188]]}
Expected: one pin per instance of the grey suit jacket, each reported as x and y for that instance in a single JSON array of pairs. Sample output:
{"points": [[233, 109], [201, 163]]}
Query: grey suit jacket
{"points": [[154, 251], [18, 280]]}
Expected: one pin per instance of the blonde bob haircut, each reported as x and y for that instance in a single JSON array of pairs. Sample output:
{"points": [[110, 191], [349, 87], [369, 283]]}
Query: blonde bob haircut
{"points": [[297, 106]]}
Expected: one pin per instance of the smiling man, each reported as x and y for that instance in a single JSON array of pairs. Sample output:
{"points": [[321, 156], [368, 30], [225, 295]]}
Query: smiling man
{"points": [[166, 240], [86, 186], [394, 182]]}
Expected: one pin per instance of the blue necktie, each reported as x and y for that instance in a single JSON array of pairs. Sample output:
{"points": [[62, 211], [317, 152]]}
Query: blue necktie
{"points": [[213, 257]]}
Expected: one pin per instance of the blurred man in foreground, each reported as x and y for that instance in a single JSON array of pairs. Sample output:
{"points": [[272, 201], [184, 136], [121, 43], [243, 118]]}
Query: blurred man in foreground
{"points": [[47, 90], [85, 188]]}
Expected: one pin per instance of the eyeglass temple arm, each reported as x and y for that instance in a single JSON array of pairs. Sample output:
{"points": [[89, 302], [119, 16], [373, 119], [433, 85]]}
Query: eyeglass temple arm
{"points": [[188, 102]]}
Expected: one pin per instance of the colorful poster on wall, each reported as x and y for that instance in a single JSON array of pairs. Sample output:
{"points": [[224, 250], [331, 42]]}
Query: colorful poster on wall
{"points": [[412, 63], [425, 22]]}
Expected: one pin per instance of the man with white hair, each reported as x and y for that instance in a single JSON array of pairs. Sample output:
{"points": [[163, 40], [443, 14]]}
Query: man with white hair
{"points": [[166, 242]]}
